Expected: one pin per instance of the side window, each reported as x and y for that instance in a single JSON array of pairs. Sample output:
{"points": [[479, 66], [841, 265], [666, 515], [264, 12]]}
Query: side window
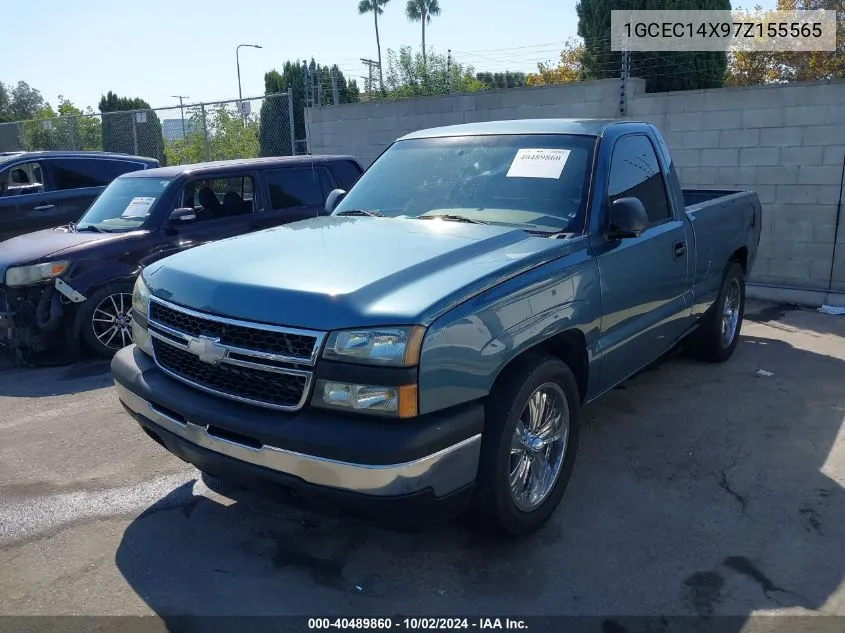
{"points": [[634, 171], [294, 187], [22, 179], [221, 197], [326, 181], [347, 173]]}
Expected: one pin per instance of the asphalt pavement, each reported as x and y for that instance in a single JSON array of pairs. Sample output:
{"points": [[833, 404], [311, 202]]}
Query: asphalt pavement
{"points": [[699, 490]]}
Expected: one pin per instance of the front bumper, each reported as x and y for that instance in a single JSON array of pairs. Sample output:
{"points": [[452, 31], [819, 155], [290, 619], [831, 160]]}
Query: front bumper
{"points": [[32, 318], [357, 461]]}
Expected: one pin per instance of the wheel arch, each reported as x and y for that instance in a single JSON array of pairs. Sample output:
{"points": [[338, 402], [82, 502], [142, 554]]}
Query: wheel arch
{"points": [[569, 346]]}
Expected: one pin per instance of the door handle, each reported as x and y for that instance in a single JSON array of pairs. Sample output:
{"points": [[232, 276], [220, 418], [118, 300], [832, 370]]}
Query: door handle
{"points": [[44, 207], [679, 248]]}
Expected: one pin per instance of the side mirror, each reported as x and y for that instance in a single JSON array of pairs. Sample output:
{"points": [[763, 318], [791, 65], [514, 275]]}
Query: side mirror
{"points": [[628, 218], [334, 199], [183, 215]]}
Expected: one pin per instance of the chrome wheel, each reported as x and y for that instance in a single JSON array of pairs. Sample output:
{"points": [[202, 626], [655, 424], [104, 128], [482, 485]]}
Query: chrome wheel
{"points": [[112, 321], [730, 313], [538, 446]]}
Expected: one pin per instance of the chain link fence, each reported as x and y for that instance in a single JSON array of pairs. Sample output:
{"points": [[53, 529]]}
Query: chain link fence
{"points": [[193, 133]]}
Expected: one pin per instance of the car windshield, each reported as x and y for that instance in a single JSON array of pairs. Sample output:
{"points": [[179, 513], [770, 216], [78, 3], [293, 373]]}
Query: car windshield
{"points": [[534, 182], [125, 205]]}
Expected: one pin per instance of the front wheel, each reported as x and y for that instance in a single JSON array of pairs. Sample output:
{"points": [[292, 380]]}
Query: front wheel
{"points": [[528, 447], [106, 319]]}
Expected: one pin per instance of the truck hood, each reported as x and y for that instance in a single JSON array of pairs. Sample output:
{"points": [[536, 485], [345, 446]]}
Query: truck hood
{"points": [[335, 272], [32, 248]]}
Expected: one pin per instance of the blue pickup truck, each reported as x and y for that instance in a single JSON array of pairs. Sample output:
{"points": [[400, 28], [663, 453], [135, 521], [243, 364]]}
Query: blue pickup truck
{"points": [[426, 347]]}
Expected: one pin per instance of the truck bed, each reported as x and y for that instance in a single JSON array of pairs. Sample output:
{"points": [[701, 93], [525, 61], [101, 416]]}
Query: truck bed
{"points": [[694, 197], [725, 221]]}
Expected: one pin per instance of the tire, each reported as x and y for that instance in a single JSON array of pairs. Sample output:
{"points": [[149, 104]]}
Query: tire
{"points": [[92, 319], [498, 507], [716, 338]]}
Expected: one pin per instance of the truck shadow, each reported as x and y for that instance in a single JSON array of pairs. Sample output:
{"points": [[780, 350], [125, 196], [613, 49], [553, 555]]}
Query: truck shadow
{"points": [[25, 382], [700, 490]]}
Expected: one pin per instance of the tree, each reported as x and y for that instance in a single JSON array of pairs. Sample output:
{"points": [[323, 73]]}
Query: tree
{"points": [[409, 76], [748, 67], [67, 129], [224, 135], [569, 68], [376, 8], [39, 132], [83, 129], [25, 102], [498, 81], [274, 132], [5, 104], [421, 11], [662, 71], [124, 133]]}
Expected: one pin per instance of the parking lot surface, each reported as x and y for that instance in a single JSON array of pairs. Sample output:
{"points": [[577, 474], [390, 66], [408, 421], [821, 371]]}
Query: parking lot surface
{"points": [[699, 489]]}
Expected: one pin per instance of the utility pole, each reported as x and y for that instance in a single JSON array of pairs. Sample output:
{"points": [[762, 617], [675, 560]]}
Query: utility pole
{"points": [[335, 90], [238, 62], [370, 63], [449, 72], [309, 87], [182, 110]]}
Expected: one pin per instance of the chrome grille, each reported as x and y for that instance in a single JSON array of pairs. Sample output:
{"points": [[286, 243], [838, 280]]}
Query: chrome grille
{"points": [[291, 345], [260, 364]]}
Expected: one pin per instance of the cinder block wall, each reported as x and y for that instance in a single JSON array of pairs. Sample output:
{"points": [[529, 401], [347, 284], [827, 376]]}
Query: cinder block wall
{"points": [[785, 142], [366, 129]]}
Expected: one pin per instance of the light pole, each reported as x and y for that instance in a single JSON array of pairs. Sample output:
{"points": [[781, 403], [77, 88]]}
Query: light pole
{"points": [[238, 62], [182, 110]]}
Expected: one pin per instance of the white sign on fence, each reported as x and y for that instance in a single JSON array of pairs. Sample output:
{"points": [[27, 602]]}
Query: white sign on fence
{"points": [[140, 117], [244, 108]]}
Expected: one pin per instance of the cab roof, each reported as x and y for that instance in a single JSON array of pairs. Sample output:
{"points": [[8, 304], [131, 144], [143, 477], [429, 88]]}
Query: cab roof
{"points": [[585, 127], [200, 169], [17, 155]]}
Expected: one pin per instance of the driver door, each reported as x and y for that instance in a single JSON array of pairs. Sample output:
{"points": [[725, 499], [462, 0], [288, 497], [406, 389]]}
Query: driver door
{"points": [[224, 207]]}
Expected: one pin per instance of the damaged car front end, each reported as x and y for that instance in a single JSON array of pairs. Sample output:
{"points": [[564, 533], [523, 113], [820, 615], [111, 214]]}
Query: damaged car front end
{"points": [[37, 310]]}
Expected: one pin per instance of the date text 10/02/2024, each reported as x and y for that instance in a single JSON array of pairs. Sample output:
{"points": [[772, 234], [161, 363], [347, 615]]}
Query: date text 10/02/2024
{"points": [[416, 623]]}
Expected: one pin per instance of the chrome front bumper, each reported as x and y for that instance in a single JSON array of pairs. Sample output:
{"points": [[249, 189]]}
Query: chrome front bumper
{"points": [[443, 472]]}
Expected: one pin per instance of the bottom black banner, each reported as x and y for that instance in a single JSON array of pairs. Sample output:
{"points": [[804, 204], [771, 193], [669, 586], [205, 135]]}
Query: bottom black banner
{"points": [[539, 624]]}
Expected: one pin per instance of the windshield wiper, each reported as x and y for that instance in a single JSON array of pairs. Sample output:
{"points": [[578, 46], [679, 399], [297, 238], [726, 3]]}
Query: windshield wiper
{"points": [[452, 218], [374, 214], [90, 227]]}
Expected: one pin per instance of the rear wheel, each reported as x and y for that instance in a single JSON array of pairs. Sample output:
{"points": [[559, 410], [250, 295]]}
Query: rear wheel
{"points": [[716, 338], [106, 319], [528, 447]]}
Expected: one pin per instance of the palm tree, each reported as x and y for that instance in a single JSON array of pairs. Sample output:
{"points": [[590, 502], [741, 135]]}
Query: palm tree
{"points": [[375, 6], [421, 11]]}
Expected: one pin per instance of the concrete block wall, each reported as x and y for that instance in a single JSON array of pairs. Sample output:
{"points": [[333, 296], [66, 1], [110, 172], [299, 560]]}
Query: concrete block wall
{"points": [[366, 129], [786, 142]]}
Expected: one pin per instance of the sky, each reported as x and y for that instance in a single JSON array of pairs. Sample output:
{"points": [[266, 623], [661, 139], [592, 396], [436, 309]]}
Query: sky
{"points": [[157, 49]]}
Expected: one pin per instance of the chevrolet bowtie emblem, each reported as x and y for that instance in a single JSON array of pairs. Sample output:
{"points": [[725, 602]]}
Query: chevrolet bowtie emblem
{"points": [[208, 349]]}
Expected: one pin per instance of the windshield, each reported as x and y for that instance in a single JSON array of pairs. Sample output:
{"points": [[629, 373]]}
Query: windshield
{"points": [[125, 205], [535, 182]]}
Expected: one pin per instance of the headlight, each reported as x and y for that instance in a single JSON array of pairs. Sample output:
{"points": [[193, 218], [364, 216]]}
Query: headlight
{"points": [[27, 275], [396, 346], [393, 401], [140, 297], [140, 309]]}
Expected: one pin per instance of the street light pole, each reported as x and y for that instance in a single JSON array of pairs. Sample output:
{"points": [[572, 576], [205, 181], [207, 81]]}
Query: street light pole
{"points": [[238, 62], [182, 110]]}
